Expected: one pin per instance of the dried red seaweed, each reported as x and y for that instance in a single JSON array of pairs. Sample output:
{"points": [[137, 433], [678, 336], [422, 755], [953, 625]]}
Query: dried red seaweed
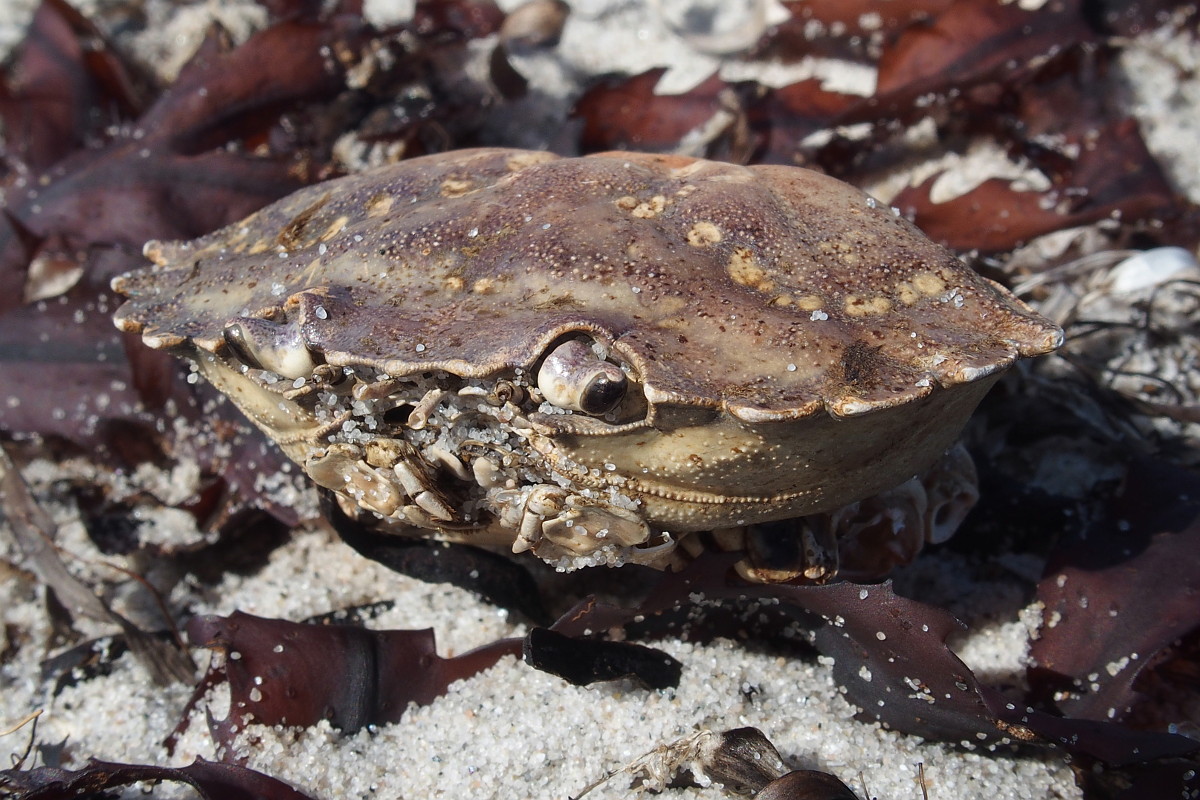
{"points": [[1034, 81], [91, 208], [361, 678], [211, 780], [82, 200], [64, 88], [1119, 595], [893, 661], [625, 114]]}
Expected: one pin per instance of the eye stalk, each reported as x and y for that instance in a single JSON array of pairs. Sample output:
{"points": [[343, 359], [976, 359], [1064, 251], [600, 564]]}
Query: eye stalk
{"points": [[261, 344], [574, 377]]}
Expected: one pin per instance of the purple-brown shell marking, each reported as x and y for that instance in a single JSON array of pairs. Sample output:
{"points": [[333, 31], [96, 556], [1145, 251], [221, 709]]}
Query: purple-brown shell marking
{"points": [[587, 357]]}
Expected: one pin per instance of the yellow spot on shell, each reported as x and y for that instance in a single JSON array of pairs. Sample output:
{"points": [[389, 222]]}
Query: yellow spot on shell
{"points": [[703, 234], [483, 286], [928, 283], [153, 250], [455, 187], [809, 302], [907, 293], [672, 305], [379, 205], [455, 283], [261, 246], [520, 161], [647, 209], [744, 268], [863, 306], [669, 307], [334, 228], [651, 208]]}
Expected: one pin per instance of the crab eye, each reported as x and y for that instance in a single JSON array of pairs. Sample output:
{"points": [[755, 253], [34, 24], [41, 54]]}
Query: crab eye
{"points": [[574, 377], [267, 345]]}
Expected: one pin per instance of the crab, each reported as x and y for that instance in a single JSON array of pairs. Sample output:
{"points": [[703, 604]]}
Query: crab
{"points": [[593, 359]]}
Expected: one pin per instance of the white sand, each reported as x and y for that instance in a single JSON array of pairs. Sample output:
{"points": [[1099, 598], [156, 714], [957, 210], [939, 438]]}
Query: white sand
{"points": [[511, 731]]}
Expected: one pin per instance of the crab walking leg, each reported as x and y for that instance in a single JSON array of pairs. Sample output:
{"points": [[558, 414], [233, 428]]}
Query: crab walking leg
{"points": [[862, 540], [778, 551]]}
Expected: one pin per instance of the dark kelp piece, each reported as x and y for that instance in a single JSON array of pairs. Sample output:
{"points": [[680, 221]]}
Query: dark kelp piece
{"points": [[1121, 594], [210, 779], [363, 677], [582, 661]]}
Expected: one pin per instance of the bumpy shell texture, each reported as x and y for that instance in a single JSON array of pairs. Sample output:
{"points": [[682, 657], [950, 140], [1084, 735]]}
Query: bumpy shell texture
{"points": [[770, 292]]}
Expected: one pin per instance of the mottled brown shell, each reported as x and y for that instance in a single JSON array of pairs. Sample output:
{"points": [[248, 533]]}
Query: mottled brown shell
{"points": [[771, 292]]}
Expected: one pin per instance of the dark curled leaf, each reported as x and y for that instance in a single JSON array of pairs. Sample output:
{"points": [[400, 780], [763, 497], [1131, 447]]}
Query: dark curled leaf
{"points": [[1118, 178], [622, 113], [782, 118], [465, 19], [993, 217], [63, 88], [1163, 779], [1090, 740], [290, 673], [1118, 595], [496, 579], [224, 95], [744, 761], [1111, 760], [972, 42], [890, 652], [586, 661], [211, 780], [66, 231], [891, 656]]}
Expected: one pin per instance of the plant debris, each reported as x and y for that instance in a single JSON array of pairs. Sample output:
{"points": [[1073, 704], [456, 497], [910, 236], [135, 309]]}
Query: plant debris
{"points": [[211, 780], [363, 678], [584, 662], [742, 760]]}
